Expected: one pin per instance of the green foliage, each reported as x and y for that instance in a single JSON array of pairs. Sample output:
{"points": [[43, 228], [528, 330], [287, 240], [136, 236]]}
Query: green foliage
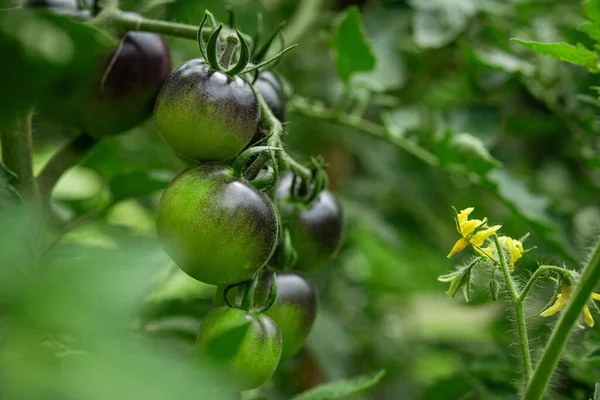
{"points": [[579, 54], [353, 53], [342, 388]]}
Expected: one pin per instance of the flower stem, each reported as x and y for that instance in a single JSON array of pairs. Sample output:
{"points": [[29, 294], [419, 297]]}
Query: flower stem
{"points": [[538, 273], [128, 22], [558, 339], [519, 310]]}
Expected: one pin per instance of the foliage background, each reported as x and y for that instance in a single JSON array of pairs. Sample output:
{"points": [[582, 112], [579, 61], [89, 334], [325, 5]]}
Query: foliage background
{"points": [[443, 69]]}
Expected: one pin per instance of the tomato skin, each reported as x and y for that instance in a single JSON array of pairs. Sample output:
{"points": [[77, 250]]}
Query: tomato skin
{"points": [[294, 310], [316, 229], [116, 100], [204, 115], [217, 228], [259, 352], [270, 87]]}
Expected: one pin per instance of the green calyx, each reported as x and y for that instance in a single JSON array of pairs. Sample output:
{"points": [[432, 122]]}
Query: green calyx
{"points": [[221, 62], [251, 166], [245, 298]]}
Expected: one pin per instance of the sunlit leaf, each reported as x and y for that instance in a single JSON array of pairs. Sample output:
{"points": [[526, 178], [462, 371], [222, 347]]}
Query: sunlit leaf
{"points": [[565, 52], [343, 388]]}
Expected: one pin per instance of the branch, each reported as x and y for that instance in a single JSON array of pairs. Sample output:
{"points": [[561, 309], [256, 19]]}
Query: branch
{"points": [[65, 158]]}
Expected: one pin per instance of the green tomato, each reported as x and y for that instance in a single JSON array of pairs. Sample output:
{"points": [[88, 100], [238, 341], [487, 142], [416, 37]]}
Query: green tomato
{"points": [[258, 354], [294, 310], [206, 115], [217, 228]]}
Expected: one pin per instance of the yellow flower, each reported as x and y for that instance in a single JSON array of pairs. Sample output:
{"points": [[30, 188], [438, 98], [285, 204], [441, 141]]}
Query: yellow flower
{"points": [[561, 301], [513, 246], [473, 231]]}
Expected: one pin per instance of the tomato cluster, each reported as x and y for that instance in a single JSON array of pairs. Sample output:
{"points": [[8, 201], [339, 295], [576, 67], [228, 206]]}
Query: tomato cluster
{"points": [[221, 230], [219, 226]]}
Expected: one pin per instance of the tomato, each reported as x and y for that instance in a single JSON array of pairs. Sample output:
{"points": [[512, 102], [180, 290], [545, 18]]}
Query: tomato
{"points": [[217, 228], [271, 88], [121, 94], [259, 351], [294, 310], [205, 115], [316, 229]]}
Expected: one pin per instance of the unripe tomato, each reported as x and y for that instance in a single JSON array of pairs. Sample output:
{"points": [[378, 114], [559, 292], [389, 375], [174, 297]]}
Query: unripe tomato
{"points": [[316, 229], [294, 310], [259, 352], [205, 115], [217, 228], [121, 95]]}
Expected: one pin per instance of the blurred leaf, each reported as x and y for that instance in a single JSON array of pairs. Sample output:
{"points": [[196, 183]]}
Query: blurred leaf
{"points": [[353, 51], [137, 184], [532, 209], [502, 60], [8, 195], [151, 5], [592, 30], [225, 346], [597, 392], [343, 388], [383, 27], [438, 22], [42, 55], [579, 54], [467, 150], [592, 7], [452, 388]]}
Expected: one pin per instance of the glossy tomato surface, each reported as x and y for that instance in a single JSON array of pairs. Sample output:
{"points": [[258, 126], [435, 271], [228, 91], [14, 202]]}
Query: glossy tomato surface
{"points": [[121, 94], [217, 228], [294, 310], [257, 354], [316, 229], [205, 115]]}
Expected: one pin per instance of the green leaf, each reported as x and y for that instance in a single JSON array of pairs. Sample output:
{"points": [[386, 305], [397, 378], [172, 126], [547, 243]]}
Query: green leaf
{"points": [[8, 195], [137, 184], [592, 30], [353, 51], [467, 150], [592, 7], [343, 388], [532, 209], [383, 27], [579, 54], [439, 22]]}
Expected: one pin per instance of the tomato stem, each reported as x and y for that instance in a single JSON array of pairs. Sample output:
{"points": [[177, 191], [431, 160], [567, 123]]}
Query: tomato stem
{"points": [[519, 309], [17, 155], [227, 54], [558, 339], [65, 158], [249, 293]]}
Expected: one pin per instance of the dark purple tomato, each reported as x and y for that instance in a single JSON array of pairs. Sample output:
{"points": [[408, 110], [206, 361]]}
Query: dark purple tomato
{"points": [[205, 115], [271, 88], [122, 93], [256, 356], [294, 310], [217, 228], [316, 229]]}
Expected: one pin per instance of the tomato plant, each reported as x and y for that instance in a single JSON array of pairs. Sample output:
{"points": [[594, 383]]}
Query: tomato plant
{"points": [[267, 200]]}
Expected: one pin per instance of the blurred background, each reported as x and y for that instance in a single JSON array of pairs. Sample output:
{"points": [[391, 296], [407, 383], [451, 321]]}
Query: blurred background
{"points": [[517, 138]]}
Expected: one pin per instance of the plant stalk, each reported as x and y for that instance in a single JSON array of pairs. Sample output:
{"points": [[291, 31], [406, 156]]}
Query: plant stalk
{"points": [[558, 339], [17, 155], [519, 311]]}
